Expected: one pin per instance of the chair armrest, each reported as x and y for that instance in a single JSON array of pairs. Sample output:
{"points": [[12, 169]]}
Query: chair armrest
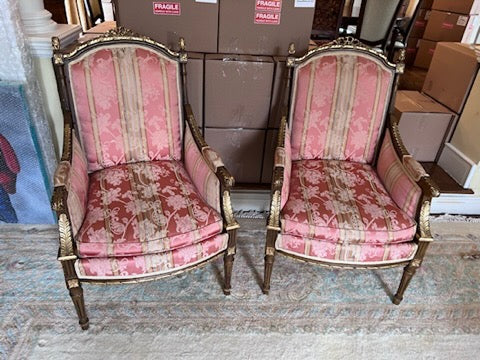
{"points": [[281, 175], [406, 181], [207, 171], [70, 192]]}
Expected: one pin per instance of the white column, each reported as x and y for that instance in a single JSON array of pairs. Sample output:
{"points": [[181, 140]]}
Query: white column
{"points": [[39, 29]]}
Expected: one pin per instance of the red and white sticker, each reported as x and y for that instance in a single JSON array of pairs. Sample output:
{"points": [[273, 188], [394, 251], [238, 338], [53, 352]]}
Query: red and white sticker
{"points": [[268, 5], [166, 8], [446, 25], [267, 18]]}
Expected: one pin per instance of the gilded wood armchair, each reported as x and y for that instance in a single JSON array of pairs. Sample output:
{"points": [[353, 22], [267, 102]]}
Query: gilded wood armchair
{"points": [[138, 193], [345, 192]]}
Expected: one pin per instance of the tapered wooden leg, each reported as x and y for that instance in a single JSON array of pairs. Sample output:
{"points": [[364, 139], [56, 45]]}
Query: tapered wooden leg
{"points": [[408, 273], [411, 269], [228, 261], [76, 292], [269, 259]]}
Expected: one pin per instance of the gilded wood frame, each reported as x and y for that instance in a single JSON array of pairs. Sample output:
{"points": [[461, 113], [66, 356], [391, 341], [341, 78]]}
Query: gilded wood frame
{"points": [[423, 236], [67, 253]]}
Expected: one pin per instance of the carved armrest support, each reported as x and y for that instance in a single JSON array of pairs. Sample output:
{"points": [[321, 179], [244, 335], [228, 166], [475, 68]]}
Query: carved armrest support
{"points": [[215, 163], [420, 176], [278, 178]]}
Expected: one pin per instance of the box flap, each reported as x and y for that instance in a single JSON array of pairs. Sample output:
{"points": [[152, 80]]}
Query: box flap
{"points": [[414, 101]]}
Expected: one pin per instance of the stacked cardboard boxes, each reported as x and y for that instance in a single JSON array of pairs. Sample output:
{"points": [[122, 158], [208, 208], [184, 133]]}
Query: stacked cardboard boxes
{"points": [[231, 76], [448, 20]]}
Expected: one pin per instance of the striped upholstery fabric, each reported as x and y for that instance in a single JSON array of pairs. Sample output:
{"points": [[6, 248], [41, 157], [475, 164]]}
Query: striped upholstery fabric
{"points": [[150, 265], [397, 179], [201, 173], [339, 105], [126, 102], [144, 208], [343, 203], [327, 251], [74, 177]]}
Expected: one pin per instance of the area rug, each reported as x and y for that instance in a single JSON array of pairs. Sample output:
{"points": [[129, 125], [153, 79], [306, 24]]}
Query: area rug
{"points": [[311, 313]]}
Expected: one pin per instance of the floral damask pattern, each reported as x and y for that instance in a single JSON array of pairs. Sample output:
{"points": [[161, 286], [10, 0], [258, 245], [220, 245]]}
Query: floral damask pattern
{"points": [[151, 264], [144, 208], [118, 94], [366, 254], [342, 202], [397, 179], [340, 102]]}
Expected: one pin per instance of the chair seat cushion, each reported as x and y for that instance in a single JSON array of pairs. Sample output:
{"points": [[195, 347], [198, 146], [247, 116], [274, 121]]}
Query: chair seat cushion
{"points": [[343, 202], [352, 254], [144, 208], [111, 268]]}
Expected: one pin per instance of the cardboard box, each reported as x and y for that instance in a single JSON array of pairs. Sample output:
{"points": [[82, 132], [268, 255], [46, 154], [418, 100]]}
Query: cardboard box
{"points": [[277, 91], [411, 50], [472, 31], [445, 26], [241, 151], [167, 21], [420, 23], [457, 6], [264, 27], [467, 131], [427, 4], [425, 51], [423, 124], [451, 73], [268, 156], [195, 85], [237, 90]]}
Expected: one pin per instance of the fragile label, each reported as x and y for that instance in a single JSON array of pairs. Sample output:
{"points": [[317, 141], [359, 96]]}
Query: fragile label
{"points": [[268, 5], [166, 8], [462, 20], [419, 23], [267, 18], [446, 25], [304, 3]]}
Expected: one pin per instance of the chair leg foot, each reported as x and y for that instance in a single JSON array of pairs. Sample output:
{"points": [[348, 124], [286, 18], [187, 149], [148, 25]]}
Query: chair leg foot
{"points": [[228, 266], [76, 293], [268, 273], [408, 273]]}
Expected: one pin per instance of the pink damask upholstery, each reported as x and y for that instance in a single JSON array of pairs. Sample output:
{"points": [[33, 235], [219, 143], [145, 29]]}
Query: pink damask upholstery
{"points": [[152, 264], [342, 203], [74, 177], [339, 105], [397, 179], [126, 102], [144, 208], [365, 254], [201, 171]]}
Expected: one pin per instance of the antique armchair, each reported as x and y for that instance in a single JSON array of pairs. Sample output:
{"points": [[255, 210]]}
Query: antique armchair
{"points": [[345, 193], [138, 193]]}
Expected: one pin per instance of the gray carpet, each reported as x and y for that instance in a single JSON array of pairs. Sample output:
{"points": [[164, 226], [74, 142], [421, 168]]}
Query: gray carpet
{"points": [[311, 313]]}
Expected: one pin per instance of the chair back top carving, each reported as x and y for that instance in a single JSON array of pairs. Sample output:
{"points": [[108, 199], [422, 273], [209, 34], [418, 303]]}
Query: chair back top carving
{"points": [[340, 96], [125, 94]]}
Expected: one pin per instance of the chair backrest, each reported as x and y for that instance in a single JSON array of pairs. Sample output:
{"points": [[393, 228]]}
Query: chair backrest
{"points": [[126, 99], [377, 18], [339, 100]]}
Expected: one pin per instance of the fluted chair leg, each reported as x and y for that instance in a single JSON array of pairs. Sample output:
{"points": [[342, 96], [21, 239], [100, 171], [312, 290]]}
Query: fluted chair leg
{"points": [[76, 292], [269, 259], [228, 260], [408, 273]]}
